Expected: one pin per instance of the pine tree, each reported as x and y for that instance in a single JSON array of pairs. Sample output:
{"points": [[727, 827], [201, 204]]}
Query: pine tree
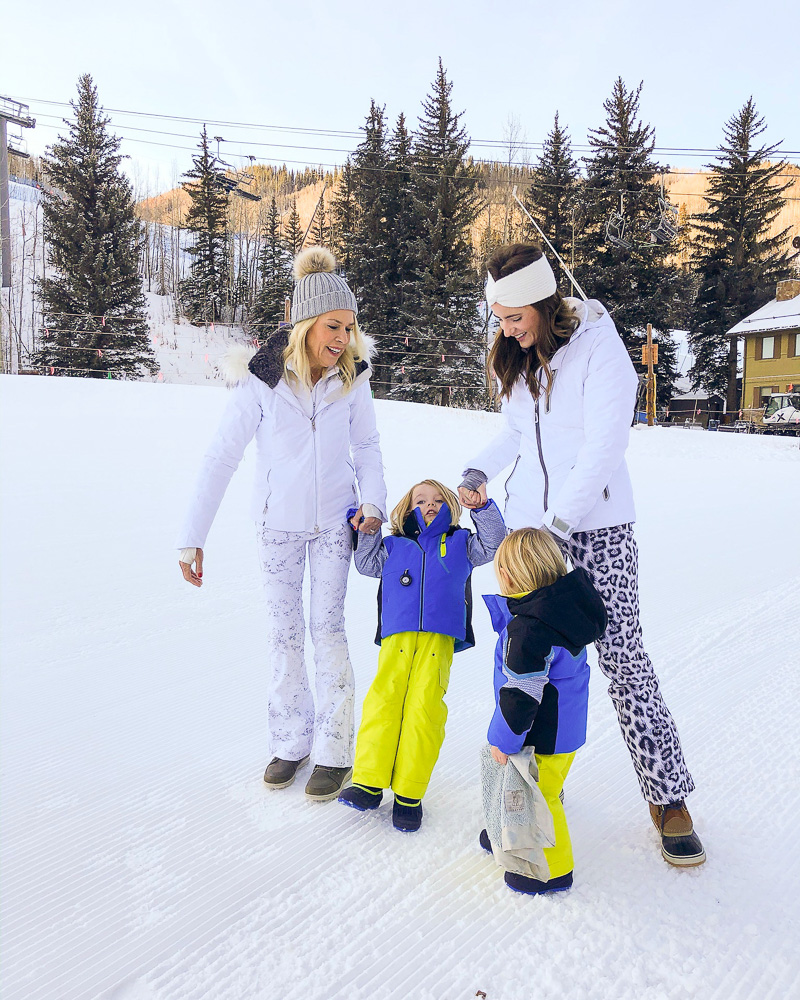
{"points": [[552, 193], [369, 242], [737, 261], [275, 273], [401, 306], [639, 283], [93, 306], [446, 325], [320, 229], [294, 231], [205, 293], [343, 217]]}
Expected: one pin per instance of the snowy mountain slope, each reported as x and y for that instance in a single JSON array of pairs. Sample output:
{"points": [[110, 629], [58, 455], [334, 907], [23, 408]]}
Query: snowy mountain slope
{"points": [[142, 857]]}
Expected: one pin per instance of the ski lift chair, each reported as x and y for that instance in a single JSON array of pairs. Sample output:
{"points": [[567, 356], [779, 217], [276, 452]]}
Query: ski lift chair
{"points": [[665, 230], [615, 232]]}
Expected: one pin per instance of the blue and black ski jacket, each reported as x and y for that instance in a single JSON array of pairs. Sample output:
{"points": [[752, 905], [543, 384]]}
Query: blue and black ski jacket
{"points": [[541, 676], [425, 573]]}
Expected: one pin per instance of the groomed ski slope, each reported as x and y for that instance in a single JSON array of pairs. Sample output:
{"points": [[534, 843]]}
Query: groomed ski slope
{"points": [[142, 857]]}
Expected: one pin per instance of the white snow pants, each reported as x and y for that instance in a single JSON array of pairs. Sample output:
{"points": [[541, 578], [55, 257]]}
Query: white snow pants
{"points": [[296, 726]]}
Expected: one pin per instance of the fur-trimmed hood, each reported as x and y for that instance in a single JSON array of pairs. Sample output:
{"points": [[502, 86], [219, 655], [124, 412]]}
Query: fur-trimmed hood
{"points": [[266, 362]]}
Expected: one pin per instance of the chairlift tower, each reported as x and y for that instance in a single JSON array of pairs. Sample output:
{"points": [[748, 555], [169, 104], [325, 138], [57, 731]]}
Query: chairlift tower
{"points": [[16, 114]]}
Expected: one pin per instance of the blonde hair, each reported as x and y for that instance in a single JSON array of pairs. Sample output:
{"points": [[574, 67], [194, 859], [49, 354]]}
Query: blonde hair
{"points": [[529, 559], [296, 355], [398, 516]]}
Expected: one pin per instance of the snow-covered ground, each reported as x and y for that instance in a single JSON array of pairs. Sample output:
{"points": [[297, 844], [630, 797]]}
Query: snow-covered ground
{"points": [[187, 354], [142, 857]]}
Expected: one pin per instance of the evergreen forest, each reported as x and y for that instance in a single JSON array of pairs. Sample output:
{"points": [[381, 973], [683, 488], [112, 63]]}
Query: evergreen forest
{"points": [[411, 215]]}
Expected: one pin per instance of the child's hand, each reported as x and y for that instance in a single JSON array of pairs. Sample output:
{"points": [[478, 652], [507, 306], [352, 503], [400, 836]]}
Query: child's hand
{"points": [[499, 756], [367, 525], [472, 498]]}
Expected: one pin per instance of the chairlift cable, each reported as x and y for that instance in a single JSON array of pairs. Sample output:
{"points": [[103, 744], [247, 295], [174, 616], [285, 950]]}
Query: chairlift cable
{"points": [[560, 261]]}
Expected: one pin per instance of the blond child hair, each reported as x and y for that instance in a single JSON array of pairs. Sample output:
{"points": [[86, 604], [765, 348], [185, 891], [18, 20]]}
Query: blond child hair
{"points": [[403, 509], [526, 560]]}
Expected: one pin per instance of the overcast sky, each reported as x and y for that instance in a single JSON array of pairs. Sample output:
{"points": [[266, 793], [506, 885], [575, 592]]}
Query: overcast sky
{"points": [[315, 66]]}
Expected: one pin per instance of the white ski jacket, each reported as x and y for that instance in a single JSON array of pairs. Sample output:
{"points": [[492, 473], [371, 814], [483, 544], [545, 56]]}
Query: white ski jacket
{"points": [[311, 449], [569, 469]]}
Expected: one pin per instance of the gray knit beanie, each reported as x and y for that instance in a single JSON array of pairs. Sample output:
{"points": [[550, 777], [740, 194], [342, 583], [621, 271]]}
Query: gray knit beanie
{"points": [[318, 289]]}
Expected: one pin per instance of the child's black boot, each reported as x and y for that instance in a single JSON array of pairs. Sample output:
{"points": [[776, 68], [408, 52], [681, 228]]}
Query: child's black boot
{"points": [[533, 887], [406, 814], [362, 797]]}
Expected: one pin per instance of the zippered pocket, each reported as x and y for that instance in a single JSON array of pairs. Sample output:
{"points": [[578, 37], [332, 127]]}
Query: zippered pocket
{"points": [[510, 475]]}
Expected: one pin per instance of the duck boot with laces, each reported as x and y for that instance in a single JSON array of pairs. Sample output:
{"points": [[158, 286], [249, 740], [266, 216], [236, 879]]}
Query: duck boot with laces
{"points": [[680, 845]]}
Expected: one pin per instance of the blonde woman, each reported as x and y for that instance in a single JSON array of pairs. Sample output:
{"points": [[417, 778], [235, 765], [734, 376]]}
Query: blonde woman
{"points": [[544, 619], [309, 407], [424, 610]]}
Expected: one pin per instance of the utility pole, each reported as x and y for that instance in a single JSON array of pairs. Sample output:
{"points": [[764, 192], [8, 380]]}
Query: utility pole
{"points": [[650, 358], [16, 113]]}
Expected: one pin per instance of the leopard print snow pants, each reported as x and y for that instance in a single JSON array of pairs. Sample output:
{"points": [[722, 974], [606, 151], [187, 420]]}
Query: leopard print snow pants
{"points": [[301, 722], [610, 557]]}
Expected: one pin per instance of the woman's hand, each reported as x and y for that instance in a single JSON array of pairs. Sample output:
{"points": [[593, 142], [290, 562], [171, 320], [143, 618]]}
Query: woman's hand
{"points": [[368, 525], [472, 498], [499, 756], [195, 578]]}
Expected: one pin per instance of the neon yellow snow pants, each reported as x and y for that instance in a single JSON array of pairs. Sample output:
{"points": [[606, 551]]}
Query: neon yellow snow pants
{"points": [[553, 769], [403, 717]]}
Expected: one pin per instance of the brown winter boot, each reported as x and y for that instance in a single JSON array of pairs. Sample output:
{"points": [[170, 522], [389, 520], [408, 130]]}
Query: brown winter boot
{"points": [[680, 845], [325, 783], [280, 773]]}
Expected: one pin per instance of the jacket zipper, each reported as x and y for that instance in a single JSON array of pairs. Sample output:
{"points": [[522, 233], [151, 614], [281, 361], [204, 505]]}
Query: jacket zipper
{"points": [[606, 494], [314, 458], [421, 589], [539, 446]]}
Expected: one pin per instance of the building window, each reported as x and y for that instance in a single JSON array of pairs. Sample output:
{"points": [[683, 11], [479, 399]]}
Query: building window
{"points": [[761, 393], [767, 348], [794, 345]]}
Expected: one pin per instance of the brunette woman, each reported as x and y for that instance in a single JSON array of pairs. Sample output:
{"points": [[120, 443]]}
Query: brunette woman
{"points": [[568, 392]]}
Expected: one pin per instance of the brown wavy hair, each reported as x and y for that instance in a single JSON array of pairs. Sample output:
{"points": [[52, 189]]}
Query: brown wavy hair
{"points": [[507, 361]]}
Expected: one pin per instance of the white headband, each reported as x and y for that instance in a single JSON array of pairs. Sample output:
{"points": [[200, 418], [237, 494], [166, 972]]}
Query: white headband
{"points": [[530, 284]]}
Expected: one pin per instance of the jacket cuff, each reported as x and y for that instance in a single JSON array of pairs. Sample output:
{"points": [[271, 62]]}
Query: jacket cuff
{"points": [[473, 479], [501, 736], [371, 510], [556, 526]]}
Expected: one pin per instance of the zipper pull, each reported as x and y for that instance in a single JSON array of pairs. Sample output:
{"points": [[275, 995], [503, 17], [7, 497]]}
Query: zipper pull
{"points": [[313, 424]]}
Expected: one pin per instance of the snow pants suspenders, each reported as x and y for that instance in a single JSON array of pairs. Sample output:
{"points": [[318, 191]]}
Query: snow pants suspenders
{"points": [[610, 557], [300, 721], [404, 715]]}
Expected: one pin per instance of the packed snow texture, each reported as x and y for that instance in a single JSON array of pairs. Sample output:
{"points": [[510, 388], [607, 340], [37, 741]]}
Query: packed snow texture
{"points": [[142, 856]]}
